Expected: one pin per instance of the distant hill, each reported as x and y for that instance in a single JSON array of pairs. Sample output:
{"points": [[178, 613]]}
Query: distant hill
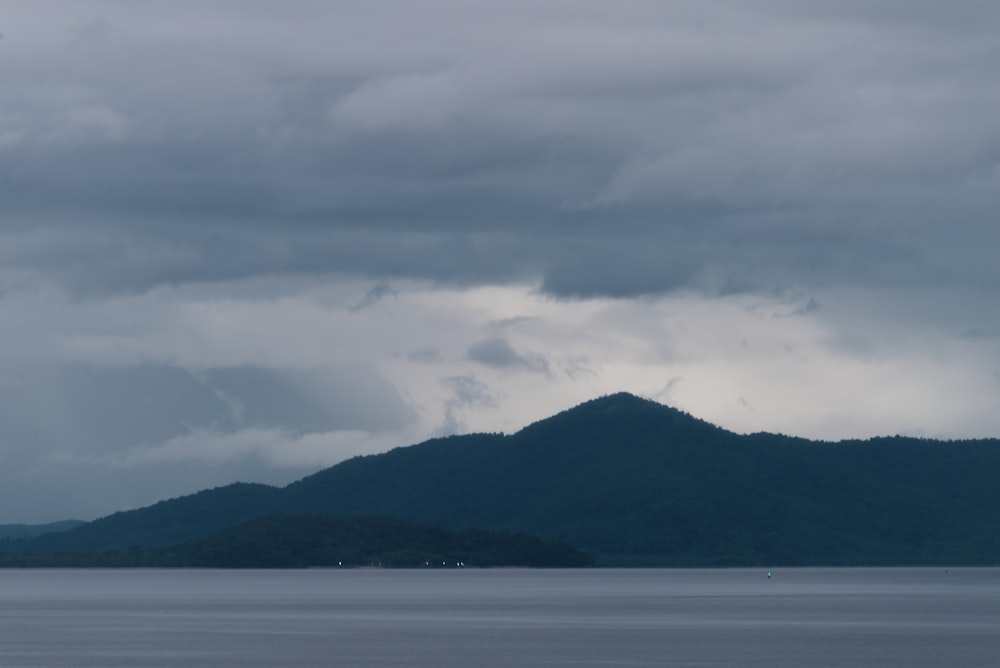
{"points": [[634, 482], [299, 542], [163, 524], [31, 530]]}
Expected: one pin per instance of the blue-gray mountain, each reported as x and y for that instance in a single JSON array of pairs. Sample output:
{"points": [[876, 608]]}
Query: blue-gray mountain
{"points": [[31, 530], [631, 481]]}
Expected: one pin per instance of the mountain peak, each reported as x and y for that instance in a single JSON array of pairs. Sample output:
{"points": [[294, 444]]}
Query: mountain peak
{"points": [[625, 402], [619, 401], [619, 406]]}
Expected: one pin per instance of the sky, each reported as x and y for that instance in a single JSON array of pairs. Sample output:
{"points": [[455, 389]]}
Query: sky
{"points": [[246, 240]]}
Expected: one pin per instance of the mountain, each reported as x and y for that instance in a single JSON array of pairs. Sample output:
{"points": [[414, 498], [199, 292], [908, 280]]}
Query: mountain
{"points": [[31, 530], [163, 524], [592, 476], [633, 482]]}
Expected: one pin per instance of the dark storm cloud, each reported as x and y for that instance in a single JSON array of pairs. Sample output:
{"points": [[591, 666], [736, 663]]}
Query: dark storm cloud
{"points": [[311, 401], [46, 408], [603, 153], [69, 406], [497, 352], [373, 296], [68, 428]]}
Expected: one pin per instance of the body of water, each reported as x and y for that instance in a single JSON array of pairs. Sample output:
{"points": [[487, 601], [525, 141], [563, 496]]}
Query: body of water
{"points": [[884, 618]]}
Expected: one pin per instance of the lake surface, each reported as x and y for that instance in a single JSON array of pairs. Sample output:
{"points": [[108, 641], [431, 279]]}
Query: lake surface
{"points": [[378, 618]]}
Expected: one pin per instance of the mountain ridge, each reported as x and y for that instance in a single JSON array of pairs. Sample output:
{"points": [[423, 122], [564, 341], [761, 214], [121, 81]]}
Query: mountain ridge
{"points": [[8, 531], [631, 481]]}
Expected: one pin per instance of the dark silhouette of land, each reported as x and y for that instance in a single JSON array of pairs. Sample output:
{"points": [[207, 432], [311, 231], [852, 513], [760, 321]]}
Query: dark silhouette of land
{"points": [[343, 542], [632, 482], [31, 530]]}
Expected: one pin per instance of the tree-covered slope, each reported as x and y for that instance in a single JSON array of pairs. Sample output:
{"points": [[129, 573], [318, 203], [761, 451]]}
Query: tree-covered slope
{"points": [[343, 542], [369, 541], [8, 531], [603, 474], [632, 481], [637, 482], [165, 523]]}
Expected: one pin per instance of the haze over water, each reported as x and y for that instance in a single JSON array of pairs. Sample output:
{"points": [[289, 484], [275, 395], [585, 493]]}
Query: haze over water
{"points": [[491, 618]]}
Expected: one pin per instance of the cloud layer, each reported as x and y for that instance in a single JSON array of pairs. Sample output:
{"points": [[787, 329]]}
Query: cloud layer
{"points": [[602, 152], [343, 226]]}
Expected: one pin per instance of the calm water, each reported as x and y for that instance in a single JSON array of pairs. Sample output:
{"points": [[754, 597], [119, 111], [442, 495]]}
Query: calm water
{"points": [[811, 617]]}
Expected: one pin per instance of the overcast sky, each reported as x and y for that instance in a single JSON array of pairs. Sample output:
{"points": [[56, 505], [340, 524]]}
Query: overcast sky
{"points": [[245, 239]]}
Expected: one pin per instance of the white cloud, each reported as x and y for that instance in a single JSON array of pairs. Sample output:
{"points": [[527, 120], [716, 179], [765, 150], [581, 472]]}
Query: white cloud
{"points": [[278, 449]]}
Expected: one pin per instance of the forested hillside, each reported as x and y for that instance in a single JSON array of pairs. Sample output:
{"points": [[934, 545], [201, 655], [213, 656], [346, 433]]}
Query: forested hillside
{"points": [[634, 482]]}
